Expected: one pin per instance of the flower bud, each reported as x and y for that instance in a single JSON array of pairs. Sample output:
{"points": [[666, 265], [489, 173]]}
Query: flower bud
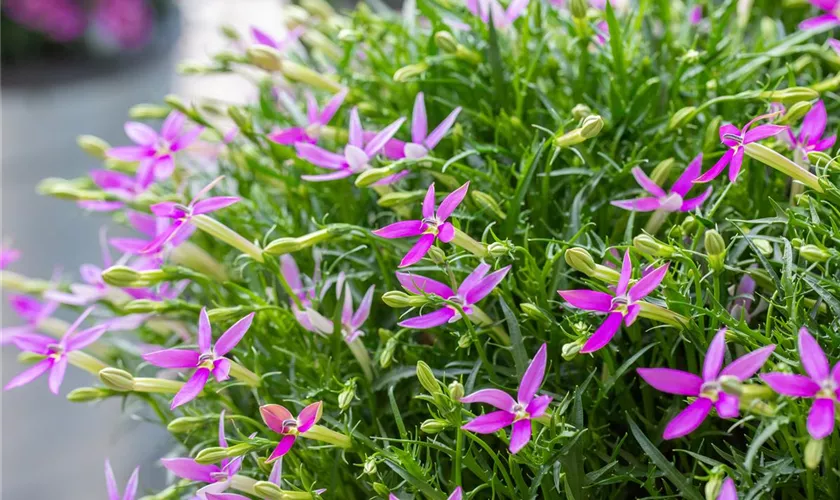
{"points": [[446, 42], [591, 126], [581, 260], [370, 466], [269, 490], [225, 313], [381, 489], [318, 8], [427, 379], [212, 455], [499, 249], [372, 175], [713, 486], [347, 395], [93, 145], [579, 8], [349, 36], [813, 453], [140, 306], [660, 172], [398, 198], [464, 341], [433, 426], [116, 379], [763, 246], [715, 249], [406, 73], [814, 254], [534, 312], [711, 139], [783, 164], [796, 242], [487, 202], [681, 117], [387, 355], [755, 391], [239, 449], [456, 390], [282, 246], [570, 350], [182, 425], [822, 159], [437, 255], [265, 57], [121, 276], [229, 32], [767, 27], [790, 95], [88, 394], [689, 224], [650, 246], [581, 111], [396, 298], [795, 112], [148, 112], [176, 103]]}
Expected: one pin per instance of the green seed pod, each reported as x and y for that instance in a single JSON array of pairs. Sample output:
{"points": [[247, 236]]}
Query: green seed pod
{"points": [[456, 390], [813, 453], [427, 379], [116, 379], [581, 260]]}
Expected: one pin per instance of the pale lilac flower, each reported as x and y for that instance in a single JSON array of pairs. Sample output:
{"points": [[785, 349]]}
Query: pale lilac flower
{"points": [[742, 303], [123, 186], [262, 38], [834, 44], [728, 490], [695, 15], [8, 255], [622, 304], [153, 227], [32, 311], [111, 483], [292, 275], [810, 137], [156, 152], [182, 215], [822, 384], [602, 33], [502, 18], [473, 289], [209, 358], [433, 226], [422, 142], [358, 153], [351, 322], [517, 413], [128, 22], [672, 201], [457, 494], [317, 120], [830, 18], [708, 390], [736, 140], [56, 352], [218, 477], [281, 421], [61, 20]]}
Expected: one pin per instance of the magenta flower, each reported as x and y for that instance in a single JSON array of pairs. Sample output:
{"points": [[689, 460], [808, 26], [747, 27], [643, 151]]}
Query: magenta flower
{"points": [[207, 359], [182, 215], [517, 413], [835, 45], [128, 22], [736, 140], [421, 140], [55, 352], [502, 18], [432, 227], [317, 120], [457, 494], [357, 156], [744, 297], [673, 201], [695, 15], [61, 20], [707, 390], [218, 477], [473, 289], [111, 484], [31, 311], [156, 152], [153, 227], [822, 384], [810, 136], [281, 421], [306, 295], [728, 490], [262, 38], [8, 256], [830, 18], [623, 304], [351, 322], [123, 186]]}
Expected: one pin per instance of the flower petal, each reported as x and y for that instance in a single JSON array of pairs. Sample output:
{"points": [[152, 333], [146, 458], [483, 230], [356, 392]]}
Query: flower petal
{"points": [[821, 418], [213, 204], [747, 365], [339, 174], [736, 164], [205, 332], [186, 139], [692, 203], [813, 125], [626, 274], [80, 340], [233, 335], [762, 132], [537, 407], [319, 156], [489, 422], [446, 232], [429, 320], [672, 381], [729, 129], [457, 494], [647, 183], [129, 153], [140, 133], [589, 300], [494, 397], [689, 419], [638, 204], [686, 180], [419, 250], [533, 377], [819, 22], [420, 285], [172, 125], [486, 285], [363, 311], [332, 106], [648, 283], [727, 490], [29, 374], [419, 123], [275, 417], [187, 468], [715, 171], [603, 334], [440, 131], [192, 388], [309, 416], [789, 384], [402, 229], [356, 133], [727, 405], [289, 136], [520, 435], [110, 482], [451, 202], [714, 356], [812, 356], [172, 358], [429, 203], [282, 448], [381, 138], [474, 278]]}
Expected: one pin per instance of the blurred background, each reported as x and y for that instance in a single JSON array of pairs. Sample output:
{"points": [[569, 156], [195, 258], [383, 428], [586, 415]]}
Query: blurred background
{"points": [[72, 67]]}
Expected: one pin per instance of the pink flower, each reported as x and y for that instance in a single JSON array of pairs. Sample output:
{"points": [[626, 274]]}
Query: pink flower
{"points": [[744, 297], [123, 186], [708, 390], [422, 142], [473, 289], [207, 359], [695, 15], [218, 477], [32, 311], [351, 322], [111, 484], [822, 384], [432, 227], [517, 413], [153, 227], [457, 494], [262, 38], [502, 18], [736, 140], [281, 421], [55, 352], [61, 20], [727, 490], [156, 152], [291, 273], [182, 215], [8, 256], [623, 304], [128, 22], [357, 156], [673, 201], [830, 18], [317, 120], [810, 136]]}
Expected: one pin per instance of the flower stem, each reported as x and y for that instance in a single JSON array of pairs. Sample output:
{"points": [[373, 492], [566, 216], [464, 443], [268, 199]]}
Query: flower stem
{"points": [[157, 385], [244, 484], [241, 373], [321, 433], [466, 242], [217, 229], [194, 257], [784, 165], [481, 318], [658, 313], [86, 362], [362, 356]]}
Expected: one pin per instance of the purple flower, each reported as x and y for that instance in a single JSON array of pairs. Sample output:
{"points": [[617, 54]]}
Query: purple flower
{"points": [[153, 227], [128, 22], [55, 352], [207, 359], [457, 494], [421, 140], [810, 136], [708, 390], [156, 152], [473, 289], [695, 15], [727, 490], [218, 477], [357, 156], [123, 186], [517, 413], [351, 322], [502, 18], [262, 38], [830, 18], [673, 201], [835, 45], [182, 215], [61, 20], [32, 311], [8, 256], [822, 384], [736, 140], [741, 307], [317, 120], [623, 304], [432, 227], [281, 421], [111, 484], [291, 273], [602, 33]]}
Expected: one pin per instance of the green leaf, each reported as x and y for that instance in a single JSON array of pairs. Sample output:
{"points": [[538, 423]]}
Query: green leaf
{"points": [[520, 356], [683, 485], [616, 44]]}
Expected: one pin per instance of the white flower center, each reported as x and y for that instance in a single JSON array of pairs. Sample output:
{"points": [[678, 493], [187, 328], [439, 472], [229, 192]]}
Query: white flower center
{"points": [[520, 411], [711, 390]]}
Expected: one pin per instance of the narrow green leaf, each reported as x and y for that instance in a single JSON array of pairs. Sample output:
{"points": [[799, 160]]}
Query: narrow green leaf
{"points": [[683, 485]]}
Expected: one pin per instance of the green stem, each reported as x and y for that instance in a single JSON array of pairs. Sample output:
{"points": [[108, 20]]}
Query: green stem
{"points": [[466, 242], [222, 232], [241, 373], [321, 433]]}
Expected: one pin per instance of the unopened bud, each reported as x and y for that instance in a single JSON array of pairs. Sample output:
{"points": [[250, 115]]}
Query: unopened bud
{"points": [[229, 32], [349, 36], [346, 396], [121, 276], [591, 126], [381, 489], [175, 102], [487, 202], [372, 175], [731, 385], [689, 224], [437, 255], [533, 312], [239, 449], [116, 379], [318, 8], [682, 117], [499, 249], [433, 426], [711, 138], [660, 172], [713, 486], [446, 42], [181, 425], [814, 254], [225, 313], [427, 379], [406, 73], [93, 145], [763, 246], [265, 57], [813, 453], [282, 246], [387, 355], [148, 112], [579, 8], [456, 390], [581, 260], [767, 27], [755, 391], [464, 341], [650, 246], [570, 350], [88, 394], [212, 455], [395, 298], [266, 489], [140, 306], [370, 466], [399, 198], [796, 242], [790, 95], [581, 111], [240, 117], [820, 158], [715, 249], [795, 112]]}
